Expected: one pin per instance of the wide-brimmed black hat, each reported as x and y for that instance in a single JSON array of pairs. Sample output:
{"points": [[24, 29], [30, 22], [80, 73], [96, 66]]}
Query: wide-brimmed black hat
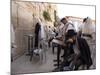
{"points": [[71, 33]]}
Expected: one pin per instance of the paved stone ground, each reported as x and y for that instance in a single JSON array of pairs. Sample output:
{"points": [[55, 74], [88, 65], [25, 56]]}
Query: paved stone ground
{"points": [[23, 64]]}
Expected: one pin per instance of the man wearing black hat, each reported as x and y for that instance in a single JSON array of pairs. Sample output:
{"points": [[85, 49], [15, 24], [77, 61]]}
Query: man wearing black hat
{"points": [[76, 52]]}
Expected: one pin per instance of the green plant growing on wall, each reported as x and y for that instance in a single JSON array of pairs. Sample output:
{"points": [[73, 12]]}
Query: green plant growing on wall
{"points": [[33, 15], [46, 16]]}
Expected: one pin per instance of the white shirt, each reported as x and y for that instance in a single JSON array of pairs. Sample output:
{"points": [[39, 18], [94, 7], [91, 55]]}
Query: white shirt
{"points": [[76, 50]]}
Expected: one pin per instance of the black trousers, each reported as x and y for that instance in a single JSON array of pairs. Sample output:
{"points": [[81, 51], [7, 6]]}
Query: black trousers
{"points": [[36, 41]]}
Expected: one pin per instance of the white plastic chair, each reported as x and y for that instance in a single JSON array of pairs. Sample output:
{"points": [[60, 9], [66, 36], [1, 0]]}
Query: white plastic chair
{"points": [[41, 52]]}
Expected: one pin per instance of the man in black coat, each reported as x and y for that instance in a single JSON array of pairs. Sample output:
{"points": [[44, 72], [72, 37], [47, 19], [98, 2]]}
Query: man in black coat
{"points": [[85, 52], [78, 51], [37, 29]]}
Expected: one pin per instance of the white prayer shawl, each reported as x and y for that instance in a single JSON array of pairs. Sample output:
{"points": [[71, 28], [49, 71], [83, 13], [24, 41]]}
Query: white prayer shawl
{"points": [[50, 33], [87, 27], [70, 27], [12, 34], [61, 29], [64, 28], [76, 49], [43, 33], [13, 43]]}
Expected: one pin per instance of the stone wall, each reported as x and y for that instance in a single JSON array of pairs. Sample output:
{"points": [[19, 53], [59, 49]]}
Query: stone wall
{"points": [[23, 19]]}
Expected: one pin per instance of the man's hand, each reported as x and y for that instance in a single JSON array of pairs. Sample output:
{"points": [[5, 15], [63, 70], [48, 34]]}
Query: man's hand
{"points": [[70, 40]]}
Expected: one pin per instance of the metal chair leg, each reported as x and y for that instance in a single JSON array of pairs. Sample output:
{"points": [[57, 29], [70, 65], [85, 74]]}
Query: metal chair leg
{"points": [[31, 55]]}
